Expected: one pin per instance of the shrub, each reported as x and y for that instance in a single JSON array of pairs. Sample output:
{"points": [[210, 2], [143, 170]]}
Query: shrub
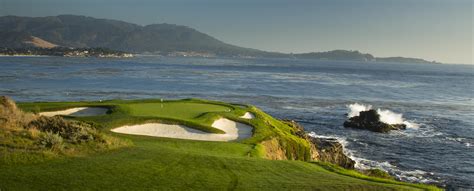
{"points": [[377, 173], [8, 103], [51, 140], [34, 133], [11, 117], [80, 135], [72, 131]]}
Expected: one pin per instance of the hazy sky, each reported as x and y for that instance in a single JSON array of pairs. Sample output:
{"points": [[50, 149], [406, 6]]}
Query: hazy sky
{"points": [[440, 30]]}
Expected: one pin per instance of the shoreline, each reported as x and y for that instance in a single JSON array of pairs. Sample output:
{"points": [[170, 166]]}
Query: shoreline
{"points": [[361, 164]]}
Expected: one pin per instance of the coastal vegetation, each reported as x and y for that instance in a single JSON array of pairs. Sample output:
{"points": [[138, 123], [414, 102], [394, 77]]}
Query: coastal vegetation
{"points": [[143, 162], [27, 137]]}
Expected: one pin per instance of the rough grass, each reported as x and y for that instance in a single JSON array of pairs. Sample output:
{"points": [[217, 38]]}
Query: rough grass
{"points": [[163, 163], [26, 137]]}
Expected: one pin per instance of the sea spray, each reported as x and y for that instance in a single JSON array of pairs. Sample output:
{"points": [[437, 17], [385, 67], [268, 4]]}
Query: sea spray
{"points": [[386, 116], [356, 108], [416, 175]]}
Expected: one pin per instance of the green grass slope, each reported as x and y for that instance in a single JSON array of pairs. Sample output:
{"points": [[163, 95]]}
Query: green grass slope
{"points": [[154, 163]]}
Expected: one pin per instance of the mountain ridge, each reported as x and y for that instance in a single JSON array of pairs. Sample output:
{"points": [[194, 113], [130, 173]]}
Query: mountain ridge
{"points": [[89, 32]]}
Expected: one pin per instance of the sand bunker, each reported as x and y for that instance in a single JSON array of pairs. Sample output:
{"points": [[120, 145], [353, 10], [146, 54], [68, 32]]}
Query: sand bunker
{"points": [[78, 112], [248, 115], [233, 131]]}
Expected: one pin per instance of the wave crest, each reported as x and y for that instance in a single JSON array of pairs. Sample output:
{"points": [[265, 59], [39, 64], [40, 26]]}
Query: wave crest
{"points": [[386, 116]]}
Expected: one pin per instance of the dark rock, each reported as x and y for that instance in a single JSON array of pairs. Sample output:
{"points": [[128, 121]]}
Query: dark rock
{"points": [[370, 120], [323, 149], [330, 150], [399, 126], [298, 129]]}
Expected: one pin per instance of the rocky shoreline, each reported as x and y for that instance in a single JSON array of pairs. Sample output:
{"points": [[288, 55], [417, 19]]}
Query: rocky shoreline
{"points": [[330, 150], [323, 149]]}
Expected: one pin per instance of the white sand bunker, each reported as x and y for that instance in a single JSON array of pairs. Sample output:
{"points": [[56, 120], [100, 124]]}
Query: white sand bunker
{"points": [[248, 115], [78, 112], [233, 131]]}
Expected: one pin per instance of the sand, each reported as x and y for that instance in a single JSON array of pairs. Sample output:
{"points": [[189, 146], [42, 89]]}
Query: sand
{"points": [[248, 115], [38, 42], [78, 112], [233, 131]]}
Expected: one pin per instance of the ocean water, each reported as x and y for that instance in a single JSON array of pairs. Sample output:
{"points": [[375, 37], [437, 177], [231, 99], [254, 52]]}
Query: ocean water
{"points": [[437, 100]]}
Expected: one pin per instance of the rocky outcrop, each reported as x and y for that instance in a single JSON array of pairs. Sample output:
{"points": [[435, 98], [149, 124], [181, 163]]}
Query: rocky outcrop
{"points": [[370, 120], [330, 150], [323, 149], [273, 150]]}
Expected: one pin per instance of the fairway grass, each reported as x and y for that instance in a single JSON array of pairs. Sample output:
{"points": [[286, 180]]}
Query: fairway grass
{"points": [[155, 163], [161, 163]]}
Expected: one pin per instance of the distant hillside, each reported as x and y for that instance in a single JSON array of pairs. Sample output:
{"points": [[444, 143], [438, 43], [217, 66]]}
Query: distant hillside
{"points": [[356, 56], [336, 55], [81, 31], [404, 60], [169, 39], [13, 39]]}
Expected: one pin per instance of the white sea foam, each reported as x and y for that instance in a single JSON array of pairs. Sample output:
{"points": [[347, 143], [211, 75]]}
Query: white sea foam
{"points": [[365, 164], [386, 116], [461, 140], [356, 108]]}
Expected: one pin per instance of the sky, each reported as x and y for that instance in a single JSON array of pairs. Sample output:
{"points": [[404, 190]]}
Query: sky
{"points": [[440, 30]]}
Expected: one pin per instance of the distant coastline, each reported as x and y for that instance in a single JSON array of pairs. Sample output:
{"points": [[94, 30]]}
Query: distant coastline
{"points": [[118, 39], [335, 55], [65, 52]]}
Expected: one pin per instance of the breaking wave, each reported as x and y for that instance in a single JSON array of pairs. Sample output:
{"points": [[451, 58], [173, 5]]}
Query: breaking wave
{"points": [[386, 116]]}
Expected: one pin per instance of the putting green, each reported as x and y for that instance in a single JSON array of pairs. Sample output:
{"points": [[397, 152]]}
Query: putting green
{"points": [[181, 110]]}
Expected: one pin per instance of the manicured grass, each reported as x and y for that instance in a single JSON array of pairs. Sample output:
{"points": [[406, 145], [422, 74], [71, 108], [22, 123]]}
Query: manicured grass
{"points": [[160, 163], [154, 163], [181, 110], [195, 113]]}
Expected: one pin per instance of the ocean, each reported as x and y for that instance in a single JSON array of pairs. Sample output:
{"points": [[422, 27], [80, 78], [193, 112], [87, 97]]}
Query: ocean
{"points": [[436, 100]]}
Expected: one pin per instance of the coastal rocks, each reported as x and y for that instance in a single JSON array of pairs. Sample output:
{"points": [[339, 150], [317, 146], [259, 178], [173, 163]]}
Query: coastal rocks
{"points": [[330, 150], [273, 150], [323, 149], [370, 120]]}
